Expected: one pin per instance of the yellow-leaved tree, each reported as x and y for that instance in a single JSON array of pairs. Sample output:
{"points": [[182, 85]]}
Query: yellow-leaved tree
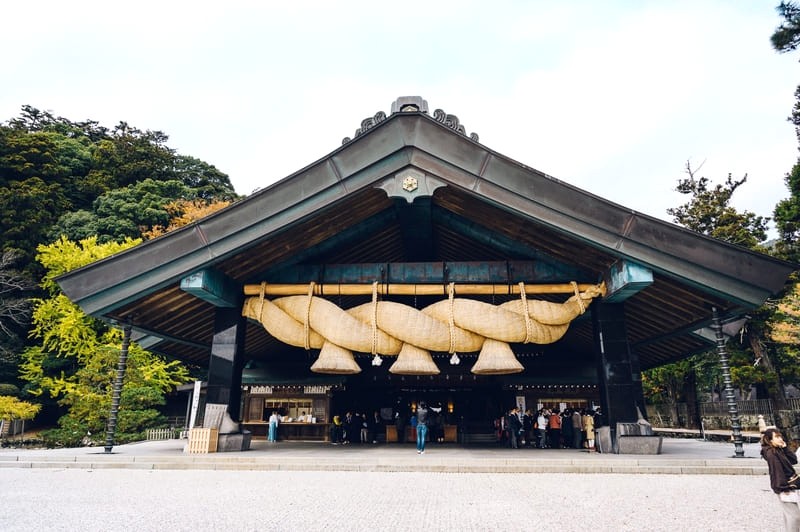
{"points": [[12, 408], [76, 356]]}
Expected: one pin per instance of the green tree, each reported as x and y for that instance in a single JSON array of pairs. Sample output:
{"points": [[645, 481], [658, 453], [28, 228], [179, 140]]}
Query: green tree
{"points": [[787, 212], [76, 355], [208, 183], [62, 177], [708, 211], [124, 213]]}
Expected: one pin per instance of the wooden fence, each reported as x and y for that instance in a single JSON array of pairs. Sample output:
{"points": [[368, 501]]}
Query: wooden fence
{"points": [[663, 415], [161, 434]]}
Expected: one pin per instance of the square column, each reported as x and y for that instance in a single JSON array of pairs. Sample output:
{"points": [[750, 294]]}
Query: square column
{"points": [[226, 362], [617, 366]]}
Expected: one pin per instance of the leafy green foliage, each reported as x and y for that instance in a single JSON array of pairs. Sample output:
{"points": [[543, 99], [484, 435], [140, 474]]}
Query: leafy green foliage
{"points": [[787, 218], [204, 179], [124, 213]]}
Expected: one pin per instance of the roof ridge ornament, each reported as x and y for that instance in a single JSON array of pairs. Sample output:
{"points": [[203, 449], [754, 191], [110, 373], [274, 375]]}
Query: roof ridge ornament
{"points": [[452, 122], [411, 104]]}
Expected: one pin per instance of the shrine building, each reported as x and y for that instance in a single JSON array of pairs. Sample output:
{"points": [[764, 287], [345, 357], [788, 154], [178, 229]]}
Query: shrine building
{"points": [[414, 263]]}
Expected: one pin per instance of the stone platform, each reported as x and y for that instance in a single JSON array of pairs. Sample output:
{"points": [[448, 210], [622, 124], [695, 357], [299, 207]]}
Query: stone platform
{"points": [[678, 456]]}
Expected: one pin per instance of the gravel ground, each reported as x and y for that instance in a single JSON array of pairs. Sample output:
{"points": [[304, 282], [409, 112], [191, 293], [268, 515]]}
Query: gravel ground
{"points": [[132, 500]]}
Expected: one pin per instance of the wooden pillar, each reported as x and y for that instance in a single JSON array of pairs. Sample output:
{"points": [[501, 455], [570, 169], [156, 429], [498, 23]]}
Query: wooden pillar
{"points": [[227, 360], [617, 366]]}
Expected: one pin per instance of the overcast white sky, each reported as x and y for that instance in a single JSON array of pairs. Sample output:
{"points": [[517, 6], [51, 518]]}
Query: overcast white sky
{"points": [[613, 97]]}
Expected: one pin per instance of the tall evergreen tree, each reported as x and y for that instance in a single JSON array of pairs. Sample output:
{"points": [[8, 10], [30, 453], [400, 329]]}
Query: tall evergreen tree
{"points": [[787, 212]]}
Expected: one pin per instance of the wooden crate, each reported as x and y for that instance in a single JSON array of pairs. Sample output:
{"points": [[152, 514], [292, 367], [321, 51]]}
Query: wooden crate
{"points": [[203, 440]]}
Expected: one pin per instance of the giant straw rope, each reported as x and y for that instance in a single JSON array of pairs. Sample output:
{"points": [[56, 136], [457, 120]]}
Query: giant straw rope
{"points": [[389, 328]]}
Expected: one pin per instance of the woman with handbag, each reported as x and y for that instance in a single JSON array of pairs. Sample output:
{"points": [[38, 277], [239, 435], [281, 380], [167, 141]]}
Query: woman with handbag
{"points": [[782, 477]]}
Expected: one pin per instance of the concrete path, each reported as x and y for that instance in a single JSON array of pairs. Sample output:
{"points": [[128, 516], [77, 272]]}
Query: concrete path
{"points": [[679, 456]]}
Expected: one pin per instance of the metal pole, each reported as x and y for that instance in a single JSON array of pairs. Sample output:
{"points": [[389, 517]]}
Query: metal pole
{"points": [[733, 409], [117, 390]]}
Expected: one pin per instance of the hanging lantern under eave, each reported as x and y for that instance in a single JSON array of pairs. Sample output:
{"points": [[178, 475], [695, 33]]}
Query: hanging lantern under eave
{"points": [[496, 358], [414, 361], [336, 360]]}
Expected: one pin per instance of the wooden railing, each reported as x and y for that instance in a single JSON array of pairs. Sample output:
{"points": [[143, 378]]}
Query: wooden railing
{"points": [[663, 414], [162, 434]]}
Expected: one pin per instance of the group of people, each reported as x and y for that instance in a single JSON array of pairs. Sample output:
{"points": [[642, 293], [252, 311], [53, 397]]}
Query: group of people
{"points": [[356, 428], [428, 424], [572, 428]]}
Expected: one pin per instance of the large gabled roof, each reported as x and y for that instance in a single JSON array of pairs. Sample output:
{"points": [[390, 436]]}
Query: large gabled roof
{"points": [[469, 203]]}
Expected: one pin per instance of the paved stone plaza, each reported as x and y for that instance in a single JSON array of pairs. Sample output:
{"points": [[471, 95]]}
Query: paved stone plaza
{"points": [[128, 500], [692, 485]]}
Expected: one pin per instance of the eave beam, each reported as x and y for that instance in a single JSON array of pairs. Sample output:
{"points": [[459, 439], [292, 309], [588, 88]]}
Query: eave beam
{"points": [[624, 279], [213, 287]]}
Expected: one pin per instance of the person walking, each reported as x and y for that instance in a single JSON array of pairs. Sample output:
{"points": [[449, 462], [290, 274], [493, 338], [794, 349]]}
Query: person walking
{"points": [[782, 477], [422, 426]]}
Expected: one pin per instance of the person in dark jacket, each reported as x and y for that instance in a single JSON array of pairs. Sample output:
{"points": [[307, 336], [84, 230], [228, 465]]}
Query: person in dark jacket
{"points": [[514, 427], [782, 477], [527, 428], [400, 425]]}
